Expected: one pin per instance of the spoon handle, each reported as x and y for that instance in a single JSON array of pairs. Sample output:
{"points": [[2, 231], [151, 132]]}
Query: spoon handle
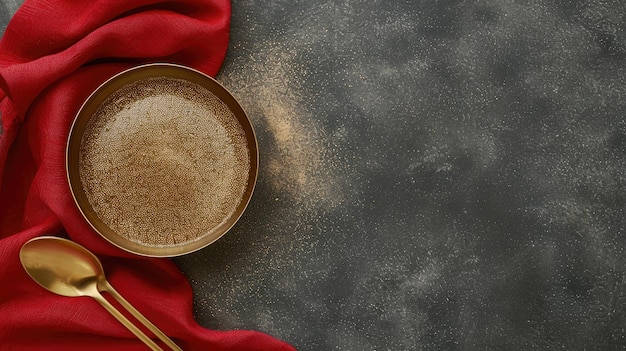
{"points": [[106, 287], [128, 324]]}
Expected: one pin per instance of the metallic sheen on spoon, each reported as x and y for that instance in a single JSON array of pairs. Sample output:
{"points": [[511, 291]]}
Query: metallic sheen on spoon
{"points": [[66, 268]]}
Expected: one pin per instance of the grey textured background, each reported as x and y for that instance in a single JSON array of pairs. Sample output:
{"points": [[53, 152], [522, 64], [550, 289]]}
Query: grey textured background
{"points": [[436, 175]]}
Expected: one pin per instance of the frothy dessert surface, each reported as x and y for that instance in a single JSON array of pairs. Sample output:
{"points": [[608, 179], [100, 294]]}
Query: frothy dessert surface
{"points": [[163, 161]]}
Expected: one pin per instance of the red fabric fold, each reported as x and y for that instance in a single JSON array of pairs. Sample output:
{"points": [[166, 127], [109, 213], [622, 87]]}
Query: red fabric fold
{"points": [[52, 56]]}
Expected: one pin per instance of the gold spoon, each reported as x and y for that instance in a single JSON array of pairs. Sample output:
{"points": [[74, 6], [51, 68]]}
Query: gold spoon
{"points": [[66, 268]]}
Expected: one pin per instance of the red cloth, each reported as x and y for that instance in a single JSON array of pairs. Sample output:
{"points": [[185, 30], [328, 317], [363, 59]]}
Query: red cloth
{"points": [[52, 55]]}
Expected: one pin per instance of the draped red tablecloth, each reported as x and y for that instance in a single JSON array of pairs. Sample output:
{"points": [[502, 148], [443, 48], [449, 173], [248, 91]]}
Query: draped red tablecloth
{"points": [[52, 56]]}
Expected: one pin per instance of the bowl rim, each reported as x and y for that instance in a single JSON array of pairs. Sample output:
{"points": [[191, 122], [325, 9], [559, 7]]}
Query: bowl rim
{"points": [[95, 100]]}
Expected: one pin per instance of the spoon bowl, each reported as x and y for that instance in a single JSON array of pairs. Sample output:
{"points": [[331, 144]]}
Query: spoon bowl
{"points": [[61, 266], [68, 269]]}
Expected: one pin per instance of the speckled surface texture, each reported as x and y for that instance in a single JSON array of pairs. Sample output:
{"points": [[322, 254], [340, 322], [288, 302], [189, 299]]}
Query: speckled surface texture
{"points": [[435, 175]]}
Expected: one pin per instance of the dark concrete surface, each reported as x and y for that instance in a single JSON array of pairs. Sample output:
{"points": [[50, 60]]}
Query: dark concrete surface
{"points": [[435, 175]]}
